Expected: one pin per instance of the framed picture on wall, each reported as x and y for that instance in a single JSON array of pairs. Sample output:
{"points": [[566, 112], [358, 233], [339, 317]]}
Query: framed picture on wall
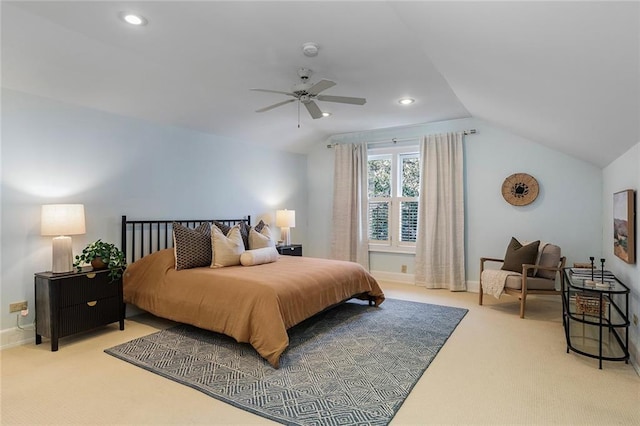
{"points": [[624, 210]]}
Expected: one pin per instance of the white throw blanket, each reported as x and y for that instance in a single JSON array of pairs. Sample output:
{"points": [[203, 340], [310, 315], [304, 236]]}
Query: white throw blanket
{"points": [[493, 281]]}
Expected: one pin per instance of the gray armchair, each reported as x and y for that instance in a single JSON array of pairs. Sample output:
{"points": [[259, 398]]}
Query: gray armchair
{"points": [[534, 279]]}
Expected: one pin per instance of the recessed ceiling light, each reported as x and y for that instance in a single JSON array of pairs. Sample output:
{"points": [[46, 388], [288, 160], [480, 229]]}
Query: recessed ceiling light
{"points": [[133, 19], [406, 101], [326, 114]]}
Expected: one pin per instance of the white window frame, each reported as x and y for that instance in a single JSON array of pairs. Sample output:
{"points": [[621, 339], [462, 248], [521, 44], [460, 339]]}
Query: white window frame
{"points": [[393, 245]]}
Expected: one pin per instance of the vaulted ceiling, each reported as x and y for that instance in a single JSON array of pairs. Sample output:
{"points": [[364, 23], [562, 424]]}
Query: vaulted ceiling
{"points": [[563, 74]]}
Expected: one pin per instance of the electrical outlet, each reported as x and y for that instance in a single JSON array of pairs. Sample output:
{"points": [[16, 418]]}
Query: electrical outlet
{"points": [[635, 319], [17, 306], [403, 269]]}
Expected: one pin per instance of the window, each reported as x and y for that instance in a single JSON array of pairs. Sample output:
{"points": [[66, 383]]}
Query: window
{"points": [[393, 189]]}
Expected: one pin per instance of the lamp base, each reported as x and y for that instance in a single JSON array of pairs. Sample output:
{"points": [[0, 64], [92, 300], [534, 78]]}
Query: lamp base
{"points": [[285, 235], [62, 255]]}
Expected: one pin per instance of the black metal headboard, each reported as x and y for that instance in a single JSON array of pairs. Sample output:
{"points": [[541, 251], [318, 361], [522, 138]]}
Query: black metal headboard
{"points": [[142, 237]]}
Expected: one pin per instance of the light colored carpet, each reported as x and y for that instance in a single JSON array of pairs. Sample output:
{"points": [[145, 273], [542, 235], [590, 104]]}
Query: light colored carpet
{"points": [[495, 369]]}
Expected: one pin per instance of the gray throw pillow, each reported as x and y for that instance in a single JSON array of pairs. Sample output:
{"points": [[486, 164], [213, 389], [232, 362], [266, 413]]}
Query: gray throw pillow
{"points": [[244, 232], [223, 227], [517, 255], [259, 226]]}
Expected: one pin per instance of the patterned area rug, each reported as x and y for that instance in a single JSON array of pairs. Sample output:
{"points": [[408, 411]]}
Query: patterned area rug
{"points": [[353, 364]]}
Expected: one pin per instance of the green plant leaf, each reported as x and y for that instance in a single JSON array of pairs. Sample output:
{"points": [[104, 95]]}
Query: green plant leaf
{"points": [[111, 255]]}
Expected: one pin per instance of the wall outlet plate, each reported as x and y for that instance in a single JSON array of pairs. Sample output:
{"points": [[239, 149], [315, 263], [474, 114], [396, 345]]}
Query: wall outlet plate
{"points": [[17, 306]]}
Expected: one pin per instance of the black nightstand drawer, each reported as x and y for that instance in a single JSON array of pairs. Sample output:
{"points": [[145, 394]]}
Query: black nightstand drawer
{"points": [[87, 287], [88, 315], [290, 250]]}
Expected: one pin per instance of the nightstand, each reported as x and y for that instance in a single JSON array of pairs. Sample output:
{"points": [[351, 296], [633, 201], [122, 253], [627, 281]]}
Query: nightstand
{"points": [[69, 303], [290, 250]]}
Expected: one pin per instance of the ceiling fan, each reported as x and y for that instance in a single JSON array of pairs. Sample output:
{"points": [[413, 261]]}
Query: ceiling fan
{"points": [[306, 93]]}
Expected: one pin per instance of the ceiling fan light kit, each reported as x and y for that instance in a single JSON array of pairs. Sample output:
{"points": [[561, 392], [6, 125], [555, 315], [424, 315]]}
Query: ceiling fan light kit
{"points": [[307, 93]]}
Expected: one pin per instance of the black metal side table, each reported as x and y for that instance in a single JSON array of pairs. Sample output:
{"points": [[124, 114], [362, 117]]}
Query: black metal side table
{"points": [[596, 318]]}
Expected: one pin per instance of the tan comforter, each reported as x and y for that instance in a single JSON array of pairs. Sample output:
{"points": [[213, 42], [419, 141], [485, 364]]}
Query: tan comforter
{"points": [[253, 304]]}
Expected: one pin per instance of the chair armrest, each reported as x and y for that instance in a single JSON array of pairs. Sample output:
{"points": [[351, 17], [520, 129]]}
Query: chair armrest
{"points": [[487, 259], [527, 266], [546, 268]]}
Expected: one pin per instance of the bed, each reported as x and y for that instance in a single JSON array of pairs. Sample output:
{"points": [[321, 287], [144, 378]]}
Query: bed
{"points": [[252, 304]]}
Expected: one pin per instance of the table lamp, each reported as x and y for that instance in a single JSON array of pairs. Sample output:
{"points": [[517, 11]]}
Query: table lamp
{"points": [[285, 220], [62, 220]]}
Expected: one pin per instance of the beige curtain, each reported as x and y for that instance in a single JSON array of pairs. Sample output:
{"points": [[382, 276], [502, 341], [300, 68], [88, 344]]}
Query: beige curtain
{"points": [[349, 239], [440, 239]]}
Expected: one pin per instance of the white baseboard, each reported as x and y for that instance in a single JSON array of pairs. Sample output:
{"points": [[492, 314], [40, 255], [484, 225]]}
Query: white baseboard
{"points": [[394, 277], [15, 336], [12, 337], [473, 286]]}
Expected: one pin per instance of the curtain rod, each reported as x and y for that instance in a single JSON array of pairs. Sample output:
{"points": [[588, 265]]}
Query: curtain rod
{"points": [[396, 140]]}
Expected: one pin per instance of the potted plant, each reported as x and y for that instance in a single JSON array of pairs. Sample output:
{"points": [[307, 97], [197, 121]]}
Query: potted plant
{"points": [[102, 255]]}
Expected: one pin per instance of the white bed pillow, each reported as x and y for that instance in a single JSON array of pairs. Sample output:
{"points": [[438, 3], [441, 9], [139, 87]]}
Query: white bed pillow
{"points": [[262, 239], [226, 249], [259, 256]]}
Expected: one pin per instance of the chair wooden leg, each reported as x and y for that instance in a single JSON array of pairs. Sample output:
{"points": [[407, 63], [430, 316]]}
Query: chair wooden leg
{"points": [[480, 292], [523, 300]]}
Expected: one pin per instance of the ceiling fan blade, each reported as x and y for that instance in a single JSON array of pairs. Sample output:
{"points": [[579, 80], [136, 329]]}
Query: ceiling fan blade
{"points": [[320, 86], [342, 99], [313, 109], [273, 91], [275, 105]]}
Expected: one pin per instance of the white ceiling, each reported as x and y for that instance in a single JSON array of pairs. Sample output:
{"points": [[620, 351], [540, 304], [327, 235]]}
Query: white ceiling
{"points": [[564, 74]]}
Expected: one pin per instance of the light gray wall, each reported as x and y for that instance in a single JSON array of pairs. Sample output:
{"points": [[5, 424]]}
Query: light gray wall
{"points": [[568, 211], [621, 174], [58, 153]]}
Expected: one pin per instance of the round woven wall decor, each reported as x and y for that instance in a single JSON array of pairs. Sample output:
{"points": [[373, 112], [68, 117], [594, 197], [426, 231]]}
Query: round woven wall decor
{"points": [[520, 189]]}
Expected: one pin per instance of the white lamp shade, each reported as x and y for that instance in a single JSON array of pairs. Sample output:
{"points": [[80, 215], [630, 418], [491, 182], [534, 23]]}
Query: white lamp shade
{"points": [[62, 219], [286, 218]]}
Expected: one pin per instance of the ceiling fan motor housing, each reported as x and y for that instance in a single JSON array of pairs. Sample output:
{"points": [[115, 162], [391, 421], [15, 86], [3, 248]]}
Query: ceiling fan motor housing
{"points": [[301, 89]]}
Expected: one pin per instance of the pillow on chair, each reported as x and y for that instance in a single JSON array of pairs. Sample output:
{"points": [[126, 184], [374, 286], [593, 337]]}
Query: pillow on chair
{"points": [[517, 255]]}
